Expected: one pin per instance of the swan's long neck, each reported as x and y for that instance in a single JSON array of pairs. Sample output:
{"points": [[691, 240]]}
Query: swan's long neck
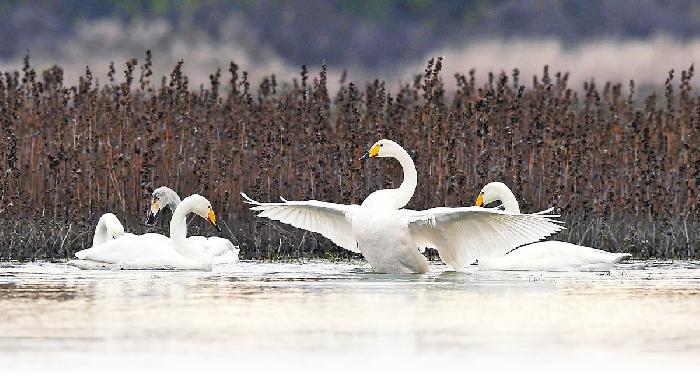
{"points": [[410, 180], [174, 201], [178, 231], [100, 236], [510, 203]]}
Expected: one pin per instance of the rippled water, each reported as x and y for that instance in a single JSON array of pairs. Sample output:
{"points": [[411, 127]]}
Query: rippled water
{"points": [[323, 317]]}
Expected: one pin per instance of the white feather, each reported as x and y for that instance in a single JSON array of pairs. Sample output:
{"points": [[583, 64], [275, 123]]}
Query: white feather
{"points": [[328, 219], [542, 256], [391, 237]]}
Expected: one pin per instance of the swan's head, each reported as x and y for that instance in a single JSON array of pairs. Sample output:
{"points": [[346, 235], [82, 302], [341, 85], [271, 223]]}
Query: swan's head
{"points": [[160, 198], [382, 148], [497, 192], [202, 207], [491, 192], [113, 227]]}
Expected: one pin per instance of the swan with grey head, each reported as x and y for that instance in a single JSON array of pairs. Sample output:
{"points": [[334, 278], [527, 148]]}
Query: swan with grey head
{"points": [[155, 251], [221, 249]]}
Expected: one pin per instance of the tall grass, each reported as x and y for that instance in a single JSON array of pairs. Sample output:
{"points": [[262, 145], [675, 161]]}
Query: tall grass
{"points": [[623, 171]]}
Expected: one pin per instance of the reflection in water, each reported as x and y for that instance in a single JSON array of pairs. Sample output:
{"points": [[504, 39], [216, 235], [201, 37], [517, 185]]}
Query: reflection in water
{"points": [[341, 318]]}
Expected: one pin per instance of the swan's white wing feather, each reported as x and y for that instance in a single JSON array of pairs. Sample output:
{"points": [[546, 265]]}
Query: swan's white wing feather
{"points": [[462, 235], [328, 219]]}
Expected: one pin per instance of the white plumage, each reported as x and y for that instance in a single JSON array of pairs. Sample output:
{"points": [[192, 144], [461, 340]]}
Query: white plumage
{"points": [[392, 238], [108, 228], [155, 251], [554, 256], [542, 256], [462, 235], [221, 249]]}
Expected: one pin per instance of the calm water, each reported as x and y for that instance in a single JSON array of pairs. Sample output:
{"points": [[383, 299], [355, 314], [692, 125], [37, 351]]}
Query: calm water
{"points": [[335, 318]]}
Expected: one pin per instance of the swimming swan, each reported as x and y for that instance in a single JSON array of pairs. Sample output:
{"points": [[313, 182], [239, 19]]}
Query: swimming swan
{"points": [[391, 238], [542, 256], [155, 251], [221, 249], [108, 228]]}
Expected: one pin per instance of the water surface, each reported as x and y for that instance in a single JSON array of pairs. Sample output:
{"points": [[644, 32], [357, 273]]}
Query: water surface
{"points": [[339, 318]]}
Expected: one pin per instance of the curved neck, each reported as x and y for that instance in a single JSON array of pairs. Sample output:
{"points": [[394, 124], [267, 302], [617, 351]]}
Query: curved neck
{"points": [[510, 203], [174, 201], [410, 180], [100, 236], [178, 232]]}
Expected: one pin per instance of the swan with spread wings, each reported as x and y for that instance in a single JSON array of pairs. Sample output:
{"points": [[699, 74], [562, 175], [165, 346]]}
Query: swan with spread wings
{"points": [[392, 239]]}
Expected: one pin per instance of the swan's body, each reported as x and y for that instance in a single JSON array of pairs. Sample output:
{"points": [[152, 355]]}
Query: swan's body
{"points": [[221, 249], [554, 256], [391, 238], [543, 256], [381, 229], [155, 251], [108, 228]]}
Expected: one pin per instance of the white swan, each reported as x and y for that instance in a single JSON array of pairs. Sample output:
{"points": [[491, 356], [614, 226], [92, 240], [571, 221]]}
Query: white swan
{"points": [[108, 228], [542, 256], [221, 249], [155, 251], [391, 238]]}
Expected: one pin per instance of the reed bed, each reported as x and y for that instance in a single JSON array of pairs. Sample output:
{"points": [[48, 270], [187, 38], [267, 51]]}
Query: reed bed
{"points": [[623, 171]]}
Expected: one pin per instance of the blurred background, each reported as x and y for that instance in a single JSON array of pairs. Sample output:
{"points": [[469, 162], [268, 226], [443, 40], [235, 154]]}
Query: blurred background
{"points": [[391, 39]]}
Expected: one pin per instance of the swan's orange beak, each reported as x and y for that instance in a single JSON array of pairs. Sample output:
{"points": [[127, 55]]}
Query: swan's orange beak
{"points": [[479, 200], [211, 217]]}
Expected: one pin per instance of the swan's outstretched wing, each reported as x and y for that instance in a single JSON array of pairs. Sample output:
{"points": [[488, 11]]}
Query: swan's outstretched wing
{"points": [[462, 235], [330, 220]]}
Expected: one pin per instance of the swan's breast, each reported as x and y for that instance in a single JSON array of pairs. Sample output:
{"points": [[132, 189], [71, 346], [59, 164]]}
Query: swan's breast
{"points": [[380, 200]]}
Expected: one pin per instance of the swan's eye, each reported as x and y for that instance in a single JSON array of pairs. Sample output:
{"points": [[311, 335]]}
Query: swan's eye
{"points": [[380, 145]]}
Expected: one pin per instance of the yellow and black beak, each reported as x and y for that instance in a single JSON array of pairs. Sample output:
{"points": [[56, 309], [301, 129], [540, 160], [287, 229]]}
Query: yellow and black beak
{"points": [[211, 217], [480, 200], [153, 213], [371, 153]]}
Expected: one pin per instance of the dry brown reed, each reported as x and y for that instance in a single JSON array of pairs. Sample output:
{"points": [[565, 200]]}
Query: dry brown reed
{"points": [[624, 171]]}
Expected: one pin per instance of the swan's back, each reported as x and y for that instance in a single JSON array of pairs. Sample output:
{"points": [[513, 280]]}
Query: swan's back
{"points": [[222, 250], [554, 256], [147, 251], [127, 247]]}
